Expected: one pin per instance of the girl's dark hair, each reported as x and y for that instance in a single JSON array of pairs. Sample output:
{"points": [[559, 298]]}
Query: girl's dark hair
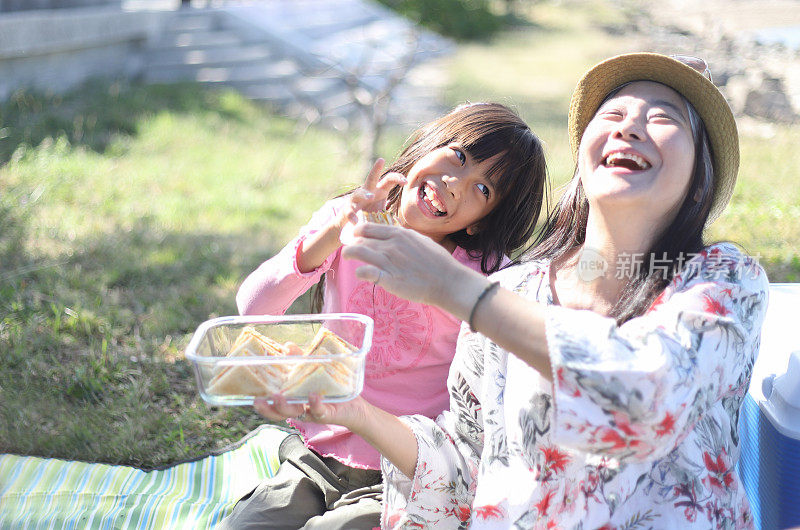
{"points": [[565, 229], [485, 130]]}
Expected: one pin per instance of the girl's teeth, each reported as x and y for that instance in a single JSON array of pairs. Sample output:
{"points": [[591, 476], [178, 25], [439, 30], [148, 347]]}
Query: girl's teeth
{"points": [[432, 200]]}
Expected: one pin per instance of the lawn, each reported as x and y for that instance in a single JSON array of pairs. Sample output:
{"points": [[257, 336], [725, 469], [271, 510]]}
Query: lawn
{"points": [[118, 239], [129, 214]]}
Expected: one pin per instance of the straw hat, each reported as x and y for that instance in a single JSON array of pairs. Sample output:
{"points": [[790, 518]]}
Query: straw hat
{"points": [[684, 79]]}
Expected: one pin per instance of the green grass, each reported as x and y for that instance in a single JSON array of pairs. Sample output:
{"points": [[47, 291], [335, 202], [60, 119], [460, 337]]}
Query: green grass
{"points": [[129, 214], [119, 240], [764, 210]]}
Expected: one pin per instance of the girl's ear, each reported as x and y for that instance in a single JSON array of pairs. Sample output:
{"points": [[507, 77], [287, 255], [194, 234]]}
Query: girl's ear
{"points": [[473, 229]]}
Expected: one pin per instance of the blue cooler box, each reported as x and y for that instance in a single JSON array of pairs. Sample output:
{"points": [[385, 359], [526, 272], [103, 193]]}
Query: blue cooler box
{"points": [[770, 418]]}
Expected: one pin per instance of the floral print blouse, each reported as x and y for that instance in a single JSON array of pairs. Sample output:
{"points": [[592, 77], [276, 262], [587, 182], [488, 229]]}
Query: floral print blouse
{"points": [[637, 430]]}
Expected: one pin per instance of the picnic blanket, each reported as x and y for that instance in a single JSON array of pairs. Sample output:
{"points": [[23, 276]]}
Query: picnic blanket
{"points": [[50, 493]]}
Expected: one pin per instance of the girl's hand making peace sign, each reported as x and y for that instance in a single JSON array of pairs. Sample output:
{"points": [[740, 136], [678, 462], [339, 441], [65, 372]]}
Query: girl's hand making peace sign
{"points": [[372, 195]]}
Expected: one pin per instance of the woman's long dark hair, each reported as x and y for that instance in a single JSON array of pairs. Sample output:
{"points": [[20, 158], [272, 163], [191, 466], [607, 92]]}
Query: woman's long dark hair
{"points": [[565, 229], [519, 175]]}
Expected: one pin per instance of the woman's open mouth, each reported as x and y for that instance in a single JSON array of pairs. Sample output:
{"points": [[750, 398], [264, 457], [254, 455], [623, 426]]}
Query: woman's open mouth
{"points": [[428, 196], [626, 160]]}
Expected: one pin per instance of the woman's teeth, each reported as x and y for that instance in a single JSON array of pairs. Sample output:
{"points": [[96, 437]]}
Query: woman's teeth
{"points": [[627, 160], [431, 199]]}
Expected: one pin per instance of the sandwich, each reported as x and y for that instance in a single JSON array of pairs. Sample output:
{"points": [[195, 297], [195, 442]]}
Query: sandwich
{"points": [[243, 380], [384, 217], [319, 378], [250, 379], [326, 342], [326, 378]]}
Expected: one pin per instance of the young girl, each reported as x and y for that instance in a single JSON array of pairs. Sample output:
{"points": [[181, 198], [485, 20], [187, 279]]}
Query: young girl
{"points": [[473, 183], [601, 385]]}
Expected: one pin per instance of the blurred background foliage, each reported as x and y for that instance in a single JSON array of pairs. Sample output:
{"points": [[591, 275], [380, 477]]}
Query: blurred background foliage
{"points": [[464, 20]]}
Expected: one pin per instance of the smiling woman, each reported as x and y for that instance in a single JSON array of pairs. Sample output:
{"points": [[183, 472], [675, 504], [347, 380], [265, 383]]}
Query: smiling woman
{"points": [[639, 147], [673, 133]]}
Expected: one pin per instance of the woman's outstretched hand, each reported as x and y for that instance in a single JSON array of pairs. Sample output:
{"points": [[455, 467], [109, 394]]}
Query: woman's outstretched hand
{"points": [[350, 414], [410, 265], [384, 431]]}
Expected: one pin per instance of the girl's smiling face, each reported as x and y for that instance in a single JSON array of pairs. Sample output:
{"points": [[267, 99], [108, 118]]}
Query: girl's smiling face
{"points": [[638, 150], [447, 191]]}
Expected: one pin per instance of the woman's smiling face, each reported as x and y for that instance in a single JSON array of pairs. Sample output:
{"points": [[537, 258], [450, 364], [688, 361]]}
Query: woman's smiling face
{"points": [[638, 151], [447, 191]]}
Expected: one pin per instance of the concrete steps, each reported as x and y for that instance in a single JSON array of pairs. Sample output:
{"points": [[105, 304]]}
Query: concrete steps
{"points": [[192, 22], [195, 46], [198, 39], [234, 72], [294, 54], [217, 56]]}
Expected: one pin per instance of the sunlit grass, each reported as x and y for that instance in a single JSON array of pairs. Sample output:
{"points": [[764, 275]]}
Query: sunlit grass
{"points": [[117, 243], [765, 208]]}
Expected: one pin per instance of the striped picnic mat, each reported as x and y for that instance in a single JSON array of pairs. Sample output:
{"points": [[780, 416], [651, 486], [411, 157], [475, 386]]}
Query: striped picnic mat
{"points": [[50, 493]]}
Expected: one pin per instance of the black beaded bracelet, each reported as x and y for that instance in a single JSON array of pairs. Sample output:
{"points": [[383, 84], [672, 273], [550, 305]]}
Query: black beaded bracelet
{"points": [[489, 288]]}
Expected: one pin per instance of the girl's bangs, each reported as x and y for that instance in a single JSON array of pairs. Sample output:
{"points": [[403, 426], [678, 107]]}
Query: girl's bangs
{"points": [[494, 143]]}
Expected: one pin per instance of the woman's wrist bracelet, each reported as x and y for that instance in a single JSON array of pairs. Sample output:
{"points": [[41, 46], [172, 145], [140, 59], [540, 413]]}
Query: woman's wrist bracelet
{"points": [[486, 290]]}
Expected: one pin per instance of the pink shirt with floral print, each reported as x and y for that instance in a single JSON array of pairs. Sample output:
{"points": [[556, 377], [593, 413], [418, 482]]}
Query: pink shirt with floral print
{"points": [[412, 344], [638, 430]]}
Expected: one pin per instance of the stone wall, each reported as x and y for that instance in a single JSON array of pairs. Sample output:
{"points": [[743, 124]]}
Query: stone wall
{"points": [[55, 50], [24, 5], [759, 80]]}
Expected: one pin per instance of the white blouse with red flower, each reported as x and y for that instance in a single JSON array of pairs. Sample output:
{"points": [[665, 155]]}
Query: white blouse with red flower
{"points": [[638, 430]]}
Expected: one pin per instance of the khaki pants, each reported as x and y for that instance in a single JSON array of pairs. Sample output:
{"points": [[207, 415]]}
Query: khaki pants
{"points": [[310, 491]]}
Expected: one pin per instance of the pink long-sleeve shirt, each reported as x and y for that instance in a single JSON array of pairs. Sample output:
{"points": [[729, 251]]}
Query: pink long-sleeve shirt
{"points": [[412, 345]]}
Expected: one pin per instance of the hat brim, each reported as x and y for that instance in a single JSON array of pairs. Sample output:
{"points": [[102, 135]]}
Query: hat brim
{"points": [[709, 102]]}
